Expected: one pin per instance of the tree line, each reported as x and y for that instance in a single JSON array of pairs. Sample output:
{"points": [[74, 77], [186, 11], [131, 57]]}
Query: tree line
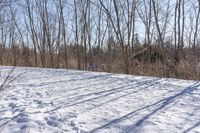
{"points": [[144, 37]]}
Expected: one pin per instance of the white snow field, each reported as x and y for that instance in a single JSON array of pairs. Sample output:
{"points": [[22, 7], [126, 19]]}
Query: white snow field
{"points": [[69, 101]]}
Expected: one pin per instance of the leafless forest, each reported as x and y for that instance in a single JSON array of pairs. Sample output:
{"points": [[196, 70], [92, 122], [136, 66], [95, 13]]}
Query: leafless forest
{"points": [[141, 37]]}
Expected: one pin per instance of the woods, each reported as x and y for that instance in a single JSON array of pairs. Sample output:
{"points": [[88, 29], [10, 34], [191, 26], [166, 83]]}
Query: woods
{"points": [[142, 37]]}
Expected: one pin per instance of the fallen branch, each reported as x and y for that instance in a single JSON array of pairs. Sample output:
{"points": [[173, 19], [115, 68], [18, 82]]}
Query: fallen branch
{"points": [[139, 52]]}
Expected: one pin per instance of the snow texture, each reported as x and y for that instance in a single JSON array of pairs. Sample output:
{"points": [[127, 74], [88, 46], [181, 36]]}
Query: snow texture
{"points": [[69, 101]]}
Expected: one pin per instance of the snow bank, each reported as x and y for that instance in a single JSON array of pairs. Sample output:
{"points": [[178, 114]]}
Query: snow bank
{"points": [[55, 101]]}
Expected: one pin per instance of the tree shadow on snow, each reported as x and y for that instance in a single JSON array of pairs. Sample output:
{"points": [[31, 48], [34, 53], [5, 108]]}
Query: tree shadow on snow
{"points": [[160, 105], [192, 127], [130, 88]]}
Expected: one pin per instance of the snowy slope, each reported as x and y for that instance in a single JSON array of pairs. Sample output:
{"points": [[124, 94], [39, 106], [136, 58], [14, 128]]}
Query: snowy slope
{"points": [[55, 101]]}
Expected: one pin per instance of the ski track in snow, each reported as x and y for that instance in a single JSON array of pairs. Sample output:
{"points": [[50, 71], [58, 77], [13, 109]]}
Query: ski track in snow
{"points": [[59, 101]]}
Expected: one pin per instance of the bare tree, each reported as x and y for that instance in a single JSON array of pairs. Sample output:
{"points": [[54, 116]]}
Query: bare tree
{"points": [[160, 39], [196, 28], [118, 31], [76, 35]]}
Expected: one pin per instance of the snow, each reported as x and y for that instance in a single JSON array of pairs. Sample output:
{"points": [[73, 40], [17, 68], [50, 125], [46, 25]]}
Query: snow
{"points": [[59, 101]]}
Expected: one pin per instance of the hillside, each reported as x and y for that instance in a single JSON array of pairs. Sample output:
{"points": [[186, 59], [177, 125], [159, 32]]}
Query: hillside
{"points": [[55, 101]]}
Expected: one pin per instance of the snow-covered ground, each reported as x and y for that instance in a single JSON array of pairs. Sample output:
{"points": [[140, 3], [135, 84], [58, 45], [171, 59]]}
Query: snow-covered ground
{"points": [[55, 101]]}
